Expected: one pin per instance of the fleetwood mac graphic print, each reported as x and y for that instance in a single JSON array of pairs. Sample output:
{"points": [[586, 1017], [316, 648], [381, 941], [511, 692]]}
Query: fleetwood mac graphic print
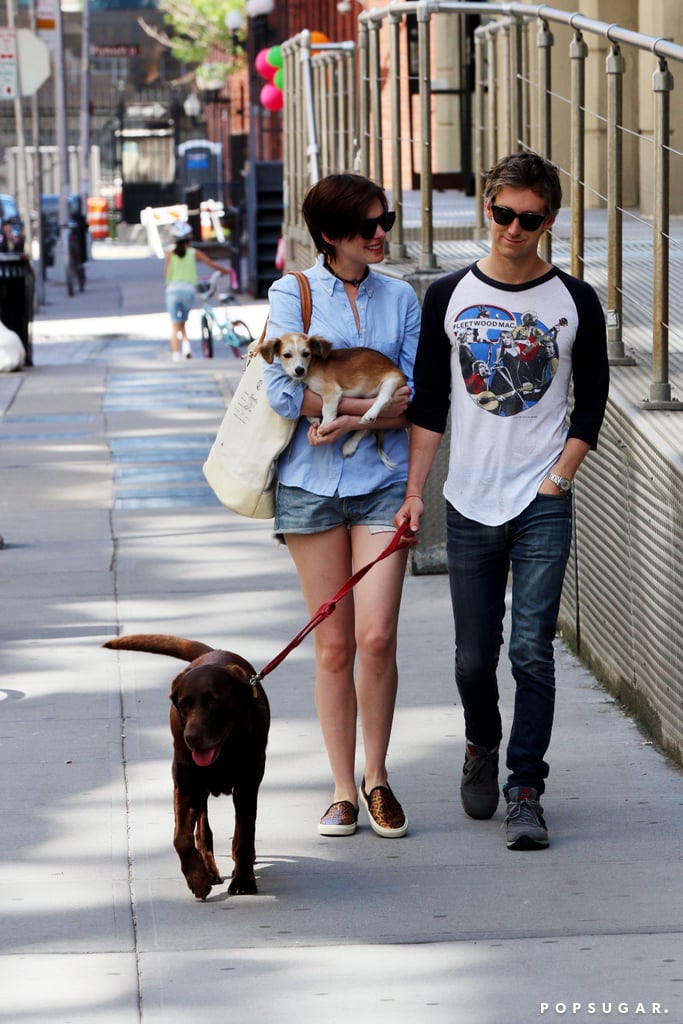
{"points": [[508, 359]]}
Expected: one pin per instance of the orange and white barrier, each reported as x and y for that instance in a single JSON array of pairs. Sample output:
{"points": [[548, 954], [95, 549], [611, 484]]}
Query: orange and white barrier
{"points": [[98, 217]]}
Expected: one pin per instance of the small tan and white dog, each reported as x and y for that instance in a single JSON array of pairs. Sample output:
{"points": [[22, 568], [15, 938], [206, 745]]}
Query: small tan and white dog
{"points": [[334, 372]]}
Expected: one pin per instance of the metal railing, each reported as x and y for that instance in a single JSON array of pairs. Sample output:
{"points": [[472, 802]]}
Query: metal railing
{"points": [[354, 102], [622, 604]]}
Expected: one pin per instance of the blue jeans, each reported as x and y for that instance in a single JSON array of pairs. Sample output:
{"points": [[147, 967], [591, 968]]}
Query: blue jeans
{"points": [[535, 544]]}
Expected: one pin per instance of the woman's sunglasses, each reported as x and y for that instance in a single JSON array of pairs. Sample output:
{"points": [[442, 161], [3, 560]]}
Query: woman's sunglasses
{"points": [[385, 221], [504, 216]]}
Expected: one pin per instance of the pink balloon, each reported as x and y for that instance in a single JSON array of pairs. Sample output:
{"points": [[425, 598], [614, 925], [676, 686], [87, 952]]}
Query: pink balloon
{"points": [[272, 98], [262, 66]]}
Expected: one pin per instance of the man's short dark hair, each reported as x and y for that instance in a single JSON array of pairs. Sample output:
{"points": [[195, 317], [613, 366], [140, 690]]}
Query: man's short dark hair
{"points": [[525, 171]]}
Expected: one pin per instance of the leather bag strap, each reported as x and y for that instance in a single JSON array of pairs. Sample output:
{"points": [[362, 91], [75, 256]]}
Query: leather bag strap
{"points": [[306, 298], [306, 308]]}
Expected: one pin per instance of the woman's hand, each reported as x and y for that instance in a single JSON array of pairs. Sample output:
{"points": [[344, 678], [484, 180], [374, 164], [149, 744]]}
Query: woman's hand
{"points": [[332, 431], [398, 405]]}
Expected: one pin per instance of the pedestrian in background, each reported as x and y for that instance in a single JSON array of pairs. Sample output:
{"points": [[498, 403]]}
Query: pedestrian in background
{"points": [[334, 513], [180, 275], [510, 471]]}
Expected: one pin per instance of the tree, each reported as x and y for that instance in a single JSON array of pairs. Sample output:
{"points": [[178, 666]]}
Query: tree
{"points": [[198, 35]]}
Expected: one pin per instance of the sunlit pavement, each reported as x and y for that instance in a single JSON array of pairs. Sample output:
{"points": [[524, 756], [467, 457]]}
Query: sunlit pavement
{"points": [[109, 527]]}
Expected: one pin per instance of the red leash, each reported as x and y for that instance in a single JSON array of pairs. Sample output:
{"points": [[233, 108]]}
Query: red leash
{"points": [[399, 540]]}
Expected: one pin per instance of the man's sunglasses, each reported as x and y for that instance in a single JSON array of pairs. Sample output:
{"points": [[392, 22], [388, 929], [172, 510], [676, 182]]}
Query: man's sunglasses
{"points": [[385, 221], [504, 216]]}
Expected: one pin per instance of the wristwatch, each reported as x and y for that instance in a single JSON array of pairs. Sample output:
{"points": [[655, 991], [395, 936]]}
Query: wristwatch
{"points": [[564, 484]]}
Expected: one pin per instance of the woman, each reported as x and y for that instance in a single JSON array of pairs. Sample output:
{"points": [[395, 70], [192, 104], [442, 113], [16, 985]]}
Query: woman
{"points": [[335, 514], [180, 274]]}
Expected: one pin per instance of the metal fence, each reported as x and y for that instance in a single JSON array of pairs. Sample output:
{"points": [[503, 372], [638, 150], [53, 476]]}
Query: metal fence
{"points": [[570, 88]]}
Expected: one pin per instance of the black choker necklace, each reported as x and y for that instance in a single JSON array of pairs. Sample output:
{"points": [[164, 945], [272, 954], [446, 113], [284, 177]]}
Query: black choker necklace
{"points": [[355, 281]]}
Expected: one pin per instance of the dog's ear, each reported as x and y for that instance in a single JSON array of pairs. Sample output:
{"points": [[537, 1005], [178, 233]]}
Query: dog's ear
{"points": [[174, 689], [269, 349], [320, 346]]}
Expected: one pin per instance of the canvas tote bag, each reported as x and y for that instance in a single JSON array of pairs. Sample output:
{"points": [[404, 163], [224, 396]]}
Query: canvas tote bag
{"points": [[241, 467]]}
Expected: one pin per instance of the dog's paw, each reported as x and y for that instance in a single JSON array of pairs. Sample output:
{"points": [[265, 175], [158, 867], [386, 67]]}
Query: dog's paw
{"points": [[351, 444], [200, 884], [242, 885]]}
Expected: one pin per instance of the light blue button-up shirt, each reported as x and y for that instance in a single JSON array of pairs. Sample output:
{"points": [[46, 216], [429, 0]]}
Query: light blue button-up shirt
{"points": [[390, 322]]}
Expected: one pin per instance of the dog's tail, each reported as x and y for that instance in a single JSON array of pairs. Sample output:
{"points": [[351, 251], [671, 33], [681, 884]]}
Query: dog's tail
{"points": [[160, 643]]}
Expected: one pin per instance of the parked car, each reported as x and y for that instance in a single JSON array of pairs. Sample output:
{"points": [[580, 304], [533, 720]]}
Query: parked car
{"points": [[13, 231]]}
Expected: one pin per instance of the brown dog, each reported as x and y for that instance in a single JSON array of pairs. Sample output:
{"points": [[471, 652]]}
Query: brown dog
{"points": [[219, 721], [333, 372]]}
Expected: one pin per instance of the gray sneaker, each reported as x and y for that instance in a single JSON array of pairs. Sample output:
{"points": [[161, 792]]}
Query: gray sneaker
{"points": [[479, 786], [526, 829]]}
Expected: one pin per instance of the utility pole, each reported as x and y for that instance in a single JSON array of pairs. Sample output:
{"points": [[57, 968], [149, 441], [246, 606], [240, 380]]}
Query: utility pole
{"points": [[85, 105], [62, 245], [22, 191]]}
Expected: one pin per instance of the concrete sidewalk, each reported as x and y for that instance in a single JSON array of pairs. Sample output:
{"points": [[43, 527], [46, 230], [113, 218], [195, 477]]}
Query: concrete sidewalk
{"points": [[109, 527]]}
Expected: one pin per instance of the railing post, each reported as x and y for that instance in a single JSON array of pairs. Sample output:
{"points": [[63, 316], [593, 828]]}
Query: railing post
{"points": [[376, 101], [364, 96], [427, 257], [313, 149], [578, 52], [521, 51], [544, 42], [351, 108], [615, 65], [397, 247], [479, 125], [291, 143], [660, 388], [492, 148], [508, 94]]}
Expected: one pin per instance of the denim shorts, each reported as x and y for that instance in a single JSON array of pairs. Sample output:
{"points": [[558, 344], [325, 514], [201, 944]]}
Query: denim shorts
{"points": [[180, 296], [299, 511]]}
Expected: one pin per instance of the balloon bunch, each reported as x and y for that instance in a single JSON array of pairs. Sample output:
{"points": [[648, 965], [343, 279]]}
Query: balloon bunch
{"points": [[268, 63]]}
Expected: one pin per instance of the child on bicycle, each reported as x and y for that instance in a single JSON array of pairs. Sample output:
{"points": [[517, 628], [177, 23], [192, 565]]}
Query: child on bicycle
{"points": [[180, 274]]}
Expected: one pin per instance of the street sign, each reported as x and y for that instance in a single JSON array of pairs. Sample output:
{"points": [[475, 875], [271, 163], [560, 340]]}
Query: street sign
{"points": [[34, 61], [46, 21], [8, 63], [115, 50]]}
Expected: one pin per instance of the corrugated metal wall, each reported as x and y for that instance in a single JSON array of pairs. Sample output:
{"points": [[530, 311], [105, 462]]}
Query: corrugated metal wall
{"points": [[625, 616]]}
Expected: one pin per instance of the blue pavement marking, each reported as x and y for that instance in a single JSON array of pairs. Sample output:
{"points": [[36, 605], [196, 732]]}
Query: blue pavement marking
{"points": [[45, 419], [183, 448], [161, 471], [53, 417], [135, 475], [135, 391], [183, 497], [51, 436]]}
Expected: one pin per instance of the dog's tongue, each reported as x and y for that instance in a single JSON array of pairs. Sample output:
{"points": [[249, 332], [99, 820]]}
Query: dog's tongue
{"points": [[203, 758]]}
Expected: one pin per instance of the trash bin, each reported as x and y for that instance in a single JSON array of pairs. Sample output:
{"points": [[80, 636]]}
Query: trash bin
{"points": [[17, 284]]}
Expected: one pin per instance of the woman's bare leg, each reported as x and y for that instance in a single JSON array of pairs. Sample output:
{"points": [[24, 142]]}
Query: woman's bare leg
{"points": [[323, 562], [377, 602]]}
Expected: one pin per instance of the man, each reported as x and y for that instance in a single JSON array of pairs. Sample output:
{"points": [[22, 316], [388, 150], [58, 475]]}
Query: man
{"points": [[508, 489]]}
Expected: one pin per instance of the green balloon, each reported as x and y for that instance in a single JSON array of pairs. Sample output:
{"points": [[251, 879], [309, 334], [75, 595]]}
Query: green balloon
{"points": [[274, 57], [279, 78]]}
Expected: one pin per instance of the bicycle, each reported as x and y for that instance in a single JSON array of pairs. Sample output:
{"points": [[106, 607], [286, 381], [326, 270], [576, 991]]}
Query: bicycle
{"points": [[217, 321]]}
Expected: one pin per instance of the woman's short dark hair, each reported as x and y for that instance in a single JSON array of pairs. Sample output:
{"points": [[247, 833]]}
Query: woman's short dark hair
{"points": [[337, 205], [525, 171]]}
